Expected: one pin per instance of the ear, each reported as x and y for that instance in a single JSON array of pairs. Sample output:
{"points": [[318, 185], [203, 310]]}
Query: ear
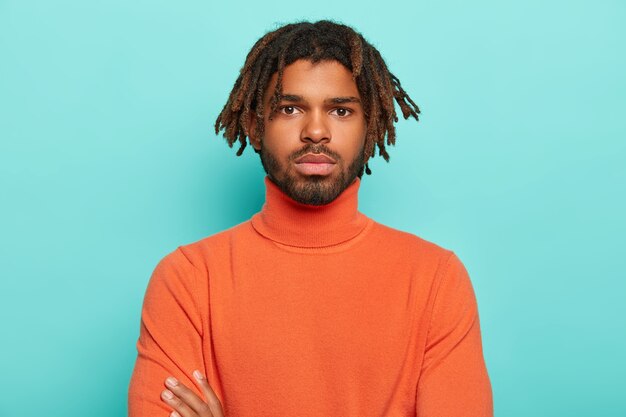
{"points": [[251, 125]]}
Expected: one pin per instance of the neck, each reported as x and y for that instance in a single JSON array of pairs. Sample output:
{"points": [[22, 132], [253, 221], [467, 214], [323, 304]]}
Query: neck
{"points": [[289, 222]]}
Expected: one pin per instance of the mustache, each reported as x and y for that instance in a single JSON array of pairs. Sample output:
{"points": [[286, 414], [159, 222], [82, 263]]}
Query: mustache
{"points": [[315, 149]]}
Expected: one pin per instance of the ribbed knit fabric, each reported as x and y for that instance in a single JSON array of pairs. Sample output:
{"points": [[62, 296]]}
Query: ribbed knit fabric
{"points": [[314, 311], [286, 221]]}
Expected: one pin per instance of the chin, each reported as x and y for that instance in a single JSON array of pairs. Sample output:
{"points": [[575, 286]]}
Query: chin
{"points": [[315, 189]]}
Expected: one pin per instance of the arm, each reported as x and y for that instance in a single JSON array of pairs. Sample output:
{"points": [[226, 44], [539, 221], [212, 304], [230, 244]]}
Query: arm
{"points": [[454, 380], [170, 336]]}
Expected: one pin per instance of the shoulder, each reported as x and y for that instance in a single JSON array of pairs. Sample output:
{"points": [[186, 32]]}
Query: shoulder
{"points": [[430, 262], [450, 278], [197, 252], [409, 244]]}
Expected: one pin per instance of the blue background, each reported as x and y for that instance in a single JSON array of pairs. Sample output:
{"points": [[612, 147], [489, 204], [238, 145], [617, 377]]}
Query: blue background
{"points": [[108, 161]]}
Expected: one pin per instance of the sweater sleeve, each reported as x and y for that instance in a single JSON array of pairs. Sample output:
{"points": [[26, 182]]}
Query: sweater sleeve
{"points": [[454, 380], [170, 336]]}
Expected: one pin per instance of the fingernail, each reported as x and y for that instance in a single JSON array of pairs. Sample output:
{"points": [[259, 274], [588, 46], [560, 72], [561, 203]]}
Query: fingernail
{"points": [[168, 394], [171, 381], [197, 374]]}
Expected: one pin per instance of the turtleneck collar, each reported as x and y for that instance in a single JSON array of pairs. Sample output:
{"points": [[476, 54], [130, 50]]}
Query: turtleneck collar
{"points": [[289, 222]]}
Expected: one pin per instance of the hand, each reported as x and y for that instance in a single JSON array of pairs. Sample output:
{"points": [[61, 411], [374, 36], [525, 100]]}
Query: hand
{"points": [[186, 403]]}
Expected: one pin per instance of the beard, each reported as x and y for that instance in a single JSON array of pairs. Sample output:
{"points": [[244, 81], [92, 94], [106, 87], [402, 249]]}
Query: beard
{"points": [[314, 190]]}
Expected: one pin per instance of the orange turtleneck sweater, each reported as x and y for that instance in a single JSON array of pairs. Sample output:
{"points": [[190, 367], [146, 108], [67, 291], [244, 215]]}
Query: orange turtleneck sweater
{"points": [[314, 311]]}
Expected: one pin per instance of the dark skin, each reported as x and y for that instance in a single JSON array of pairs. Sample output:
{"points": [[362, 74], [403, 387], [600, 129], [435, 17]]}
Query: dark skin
{"points": [[324, 108], [186, 403]]}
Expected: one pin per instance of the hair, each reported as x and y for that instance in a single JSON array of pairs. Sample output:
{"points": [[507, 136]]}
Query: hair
{"points": [[323, 40]]}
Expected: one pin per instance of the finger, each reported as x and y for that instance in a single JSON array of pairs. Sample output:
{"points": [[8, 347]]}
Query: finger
{"points": [[189, 398], [214, 402], [180, 408]]}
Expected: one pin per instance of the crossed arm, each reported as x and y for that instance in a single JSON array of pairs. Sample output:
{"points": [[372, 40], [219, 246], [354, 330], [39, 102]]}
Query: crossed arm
{"points": [[186, 403], [453, 382]]}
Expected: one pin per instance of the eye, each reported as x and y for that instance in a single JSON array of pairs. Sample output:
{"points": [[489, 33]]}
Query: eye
{"points": [[342, 111], [288, 110]]}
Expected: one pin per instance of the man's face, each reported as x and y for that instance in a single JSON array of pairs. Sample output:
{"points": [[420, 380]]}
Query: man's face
{"points": [[313, 147]]}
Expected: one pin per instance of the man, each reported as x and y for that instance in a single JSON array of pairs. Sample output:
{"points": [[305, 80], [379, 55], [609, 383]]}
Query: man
{"points": [[310, 308]]}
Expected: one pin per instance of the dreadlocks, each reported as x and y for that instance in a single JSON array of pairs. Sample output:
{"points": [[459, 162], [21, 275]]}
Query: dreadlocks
{"points": [[319, 41]]}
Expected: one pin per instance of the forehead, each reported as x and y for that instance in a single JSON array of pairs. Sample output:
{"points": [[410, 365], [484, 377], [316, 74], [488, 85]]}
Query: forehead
{"points": [[320, 80]]}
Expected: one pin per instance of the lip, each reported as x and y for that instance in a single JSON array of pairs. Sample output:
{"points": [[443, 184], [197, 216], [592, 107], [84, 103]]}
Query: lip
{"points": [[317, 168], [315, 158]]}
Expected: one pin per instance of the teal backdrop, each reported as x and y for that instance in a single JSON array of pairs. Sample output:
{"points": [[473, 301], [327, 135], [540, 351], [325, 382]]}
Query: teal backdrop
{"points": [[108, 161]]}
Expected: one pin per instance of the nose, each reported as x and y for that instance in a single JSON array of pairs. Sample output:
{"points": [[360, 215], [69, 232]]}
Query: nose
{"points": [[315, 128]]}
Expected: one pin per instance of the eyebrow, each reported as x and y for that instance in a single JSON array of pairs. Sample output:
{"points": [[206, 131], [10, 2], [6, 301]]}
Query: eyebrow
{"points": [[294, 98]]}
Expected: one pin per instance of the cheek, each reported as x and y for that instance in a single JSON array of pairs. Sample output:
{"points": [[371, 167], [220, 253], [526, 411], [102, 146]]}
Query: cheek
{"points": [[282, 138], [274, 142], [352, 138], [275, 130]]}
